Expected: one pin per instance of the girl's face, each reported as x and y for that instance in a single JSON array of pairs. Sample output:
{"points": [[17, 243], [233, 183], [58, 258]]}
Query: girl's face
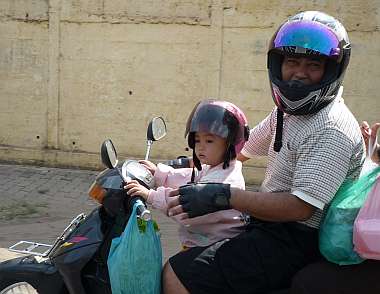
{"points": [[209, 148]]}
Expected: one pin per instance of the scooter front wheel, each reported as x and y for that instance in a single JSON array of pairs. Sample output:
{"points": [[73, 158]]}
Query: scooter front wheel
{"points": [[18, 288]]}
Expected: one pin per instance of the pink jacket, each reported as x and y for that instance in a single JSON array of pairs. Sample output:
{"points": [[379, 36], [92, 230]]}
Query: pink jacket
{"points": [[207, 229]]}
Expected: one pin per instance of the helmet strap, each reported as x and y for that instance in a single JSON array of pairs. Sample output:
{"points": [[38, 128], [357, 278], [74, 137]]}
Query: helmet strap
{"points": [[196, 161], [279, 127], [192, 176], [226, 162], [230, 155]]}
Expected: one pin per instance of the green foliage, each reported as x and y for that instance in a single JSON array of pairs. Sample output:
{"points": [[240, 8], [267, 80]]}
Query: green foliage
{"points": [[143, 223]]}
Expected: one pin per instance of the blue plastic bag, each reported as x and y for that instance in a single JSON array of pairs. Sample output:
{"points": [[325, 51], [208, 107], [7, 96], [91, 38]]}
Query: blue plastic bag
{"points": [[135, 259], [336, 230]]}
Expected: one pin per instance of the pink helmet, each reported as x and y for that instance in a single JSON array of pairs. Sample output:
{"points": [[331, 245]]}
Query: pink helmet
{"points": [[220, 118]]}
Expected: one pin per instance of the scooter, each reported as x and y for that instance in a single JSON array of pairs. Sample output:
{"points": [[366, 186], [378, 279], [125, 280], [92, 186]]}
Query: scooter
{"points": [[77, 261]]}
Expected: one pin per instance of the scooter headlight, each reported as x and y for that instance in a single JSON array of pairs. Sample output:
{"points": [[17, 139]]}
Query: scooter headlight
{"points": [[97, 192]]}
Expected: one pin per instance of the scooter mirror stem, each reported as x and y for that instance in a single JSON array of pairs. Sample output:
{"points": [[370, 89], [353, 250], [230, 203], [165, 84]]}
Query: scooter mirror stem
{"points": [[148, 146]]}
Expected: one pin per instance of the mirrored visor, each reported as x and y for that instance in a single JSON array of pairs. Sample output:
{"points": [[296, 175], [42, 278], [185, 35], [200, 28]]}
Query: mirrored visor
{"points": [[309, 35], [209, 118]]}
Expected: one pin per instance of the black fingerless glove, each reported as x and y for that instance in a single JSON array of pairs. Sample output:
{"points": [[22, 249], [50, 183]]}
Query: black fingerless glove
{"points": [[199, 199]]}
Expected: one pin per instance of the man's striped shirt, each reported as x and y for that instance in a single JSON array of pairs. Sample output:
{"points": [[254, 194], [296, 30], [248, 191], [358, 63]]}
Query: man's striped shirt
{"points": [[319, 151]]}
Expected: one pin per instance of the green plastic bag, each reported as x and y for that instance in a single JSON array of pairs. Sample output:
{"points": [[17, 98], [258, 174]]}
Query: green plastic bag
{"points": [[135, 259], [336, 230]]}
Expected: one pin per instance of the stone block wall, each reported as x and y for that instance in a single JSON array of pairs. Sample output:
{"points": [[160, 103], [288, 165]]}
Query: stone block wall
{"points": [[75, 72]]}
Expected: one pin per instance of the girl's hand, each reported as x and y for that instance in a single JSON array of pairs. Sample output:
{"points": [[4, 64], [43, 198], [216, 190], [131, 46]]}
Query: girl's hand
{"points": [[135, 189], [371, 132], [149, 165], [366, 132]]}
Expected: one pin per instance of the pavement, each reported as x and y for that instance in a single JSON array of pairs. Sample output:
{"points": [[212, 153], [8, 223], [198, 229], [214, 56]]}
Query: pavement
{"points": [[37, 203]]}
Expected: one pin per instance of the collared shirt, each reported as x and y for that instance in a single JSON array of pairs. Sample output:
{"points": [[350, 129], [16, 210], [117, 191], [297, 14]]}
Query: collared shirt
{"points": [[319, 152]]}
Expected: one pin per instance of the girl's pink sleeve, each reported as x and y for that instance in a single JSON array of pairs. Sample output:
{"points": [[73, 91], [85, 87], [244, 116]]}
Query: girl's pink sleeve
{"points": [[167, 176], [159, 198]]}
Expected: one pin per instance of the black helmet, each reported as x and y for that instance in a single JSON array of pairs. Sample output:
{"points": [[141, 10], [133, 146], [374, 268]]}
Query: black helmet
{"points": [[220, 118], [309, 33]]}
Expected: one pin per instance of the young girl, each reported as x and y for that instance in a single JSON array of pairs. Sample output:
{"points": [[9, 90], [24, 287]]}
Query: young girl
{"points": [[216, 131]]}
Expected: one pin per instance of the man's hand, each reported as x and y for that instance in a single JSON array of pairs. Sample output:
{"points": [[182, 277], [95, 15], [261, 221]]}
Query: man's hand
{"points": [[199, 199]]}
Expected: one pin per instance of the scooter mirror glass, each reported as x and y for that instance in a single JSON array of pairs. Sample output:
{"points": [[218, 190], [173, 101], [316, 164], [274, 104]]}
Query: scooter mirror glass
{"points": [[156, 129], [108, 154]]}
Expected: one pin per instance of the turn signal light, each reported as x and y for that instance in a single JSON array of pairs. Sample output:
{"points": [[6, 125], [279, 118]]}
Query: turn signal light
{"points": [[97, 192]]}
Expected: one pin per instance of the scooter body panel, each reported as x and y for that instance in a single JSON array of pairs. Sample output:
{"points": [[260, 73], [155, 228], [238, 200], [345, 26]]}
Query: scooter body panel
{"points": [[78, 249], [87, 233], [43, 276]]}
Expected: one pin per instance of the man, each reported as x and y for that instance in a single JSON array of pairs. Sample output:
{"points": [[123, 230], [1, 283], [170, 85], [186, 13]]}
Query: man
{"points": [[313, 144]]}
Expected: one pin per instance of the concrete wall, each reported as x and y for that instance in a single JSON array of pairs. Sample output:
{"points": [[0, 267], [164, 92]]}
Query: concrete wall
{"points": [[75, 72]]}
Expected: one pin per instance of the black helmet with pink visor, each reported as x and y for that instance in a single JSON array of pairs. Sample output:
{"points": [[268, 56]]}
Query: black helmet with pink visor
{"points": [[220, 118], [309, 33], [312, 34]]}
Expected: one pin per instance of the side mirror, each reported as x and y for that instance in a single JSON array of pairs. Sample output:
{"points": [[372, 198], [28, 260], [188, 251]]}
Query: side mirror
{"points": [[156, 129], [108, 154]]}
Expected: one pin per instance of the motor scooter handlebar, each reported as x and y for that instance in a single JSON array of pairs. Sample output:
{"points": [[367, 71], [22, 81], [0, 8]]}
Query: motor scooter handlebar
{"points": [[142, 211], [180, 162]]}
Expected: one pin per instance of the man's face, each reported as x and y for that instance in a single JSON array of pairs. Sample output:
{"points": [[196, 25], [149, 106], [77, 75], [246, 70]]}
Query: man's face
{"points": [[308, 70]]}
